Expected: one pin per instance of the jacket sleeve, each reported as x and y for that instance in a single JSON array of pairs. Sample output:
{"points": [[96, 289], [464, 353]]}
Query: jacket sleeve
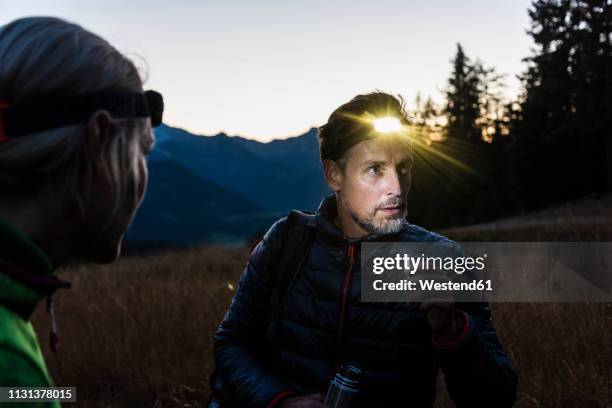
{"points": [[476, 369], [245, 373]]}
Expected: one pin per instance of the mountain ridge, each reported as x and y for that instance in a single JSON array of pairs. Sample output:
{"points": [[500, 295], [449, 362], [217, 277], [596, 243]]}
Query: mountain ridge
{"points": [[242, 186]]}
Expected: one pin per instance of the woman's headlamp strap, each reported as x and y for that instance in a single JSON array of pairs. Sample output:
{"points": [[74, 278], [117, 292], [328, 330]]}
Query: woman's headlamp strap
{"points": [[56, 111]]}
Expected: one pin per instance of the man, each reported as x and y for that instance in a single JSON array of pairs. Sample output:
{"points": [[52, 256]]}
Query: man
{"points": [[322, 323]]}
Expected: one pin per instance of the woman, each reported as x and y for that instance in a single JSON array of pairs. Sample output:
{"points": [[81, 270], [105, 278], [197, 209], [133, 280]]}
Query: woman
{"points": [[75, 129]]}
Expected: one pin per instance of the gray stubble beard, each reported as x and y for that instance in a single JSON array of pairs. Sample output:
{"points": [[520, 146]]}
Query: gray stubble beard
{"points": [[387, 226]]}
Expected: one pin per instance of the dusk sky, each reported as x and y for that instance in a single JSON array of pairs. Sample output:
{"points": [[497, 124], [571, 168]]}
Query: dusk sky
{"points": [[273, 69]]}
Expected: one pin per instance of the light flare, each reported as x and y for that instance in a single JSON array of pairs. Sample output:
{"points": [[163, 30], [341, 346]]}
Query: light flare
{"points": [[387, 124]]}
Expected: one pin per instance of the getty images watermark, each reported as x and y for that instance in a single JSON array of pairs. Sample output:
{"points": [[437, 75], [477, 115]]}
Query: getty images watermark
{"points": [[491, 271]]}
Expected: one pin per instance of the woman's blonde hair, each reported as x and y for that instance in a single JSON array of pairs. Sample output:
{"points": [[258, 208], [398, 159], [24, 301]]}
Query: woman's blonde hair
{"points": [[44, 55]]}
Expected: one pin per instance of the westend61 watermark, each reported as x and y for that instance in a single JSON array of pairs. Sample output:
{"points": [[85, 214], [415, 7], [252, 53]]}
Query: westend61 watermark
{"points": [[491, 271]]}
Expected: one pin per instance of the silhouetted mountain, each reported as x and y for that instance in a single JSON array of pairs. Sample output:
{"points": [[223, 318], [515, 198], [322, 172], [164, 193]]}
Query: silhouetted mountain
{"points": [[300, 153], [224, 189], [277, 176], [181, 208]]}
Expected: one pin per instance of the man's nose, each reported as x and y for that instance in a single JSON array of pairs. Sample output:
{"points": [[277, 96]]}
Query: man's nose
{"points": [[393, 183]]}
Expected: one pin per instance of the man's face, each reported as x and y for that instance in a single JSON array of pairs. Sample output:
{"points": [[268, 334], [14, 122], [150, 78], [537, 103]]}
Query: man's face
{"points": [[374, 184]]}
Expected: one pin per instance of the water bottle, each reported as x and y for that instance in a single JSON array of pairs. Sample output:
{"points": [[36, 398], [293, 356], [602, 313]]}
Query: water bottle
{"points": [[344, 388]]}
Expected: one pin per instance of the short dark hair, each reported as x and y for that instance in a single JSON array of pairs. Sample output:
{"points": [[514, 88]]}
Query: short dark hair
{"points": [[344, 130]]}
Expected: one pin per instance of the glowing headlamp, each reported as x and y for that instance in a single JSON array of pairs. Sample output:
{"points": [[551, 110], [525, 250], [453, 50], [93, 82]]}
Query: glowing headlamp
{"points": [[387, 124]]}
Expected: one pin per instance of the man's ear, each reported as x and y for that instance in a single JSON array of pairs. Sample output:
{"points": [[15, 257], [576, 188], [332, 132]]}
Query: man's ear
{"points": [[333, 174]]}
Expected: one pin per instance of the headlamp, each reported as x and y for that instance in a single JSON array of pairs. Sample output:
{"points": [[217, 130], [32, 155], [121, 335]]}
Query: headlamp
{"points": [[387, 124]]}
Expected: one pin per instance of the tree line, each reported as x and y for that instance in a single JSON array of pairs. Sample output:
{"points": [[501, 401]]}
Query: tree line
{"points": [[481, 156]]}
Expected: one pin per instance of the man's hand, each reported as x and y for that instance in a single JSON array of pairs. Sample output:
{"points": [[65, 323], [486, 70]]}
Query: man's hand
{"points": [[307, 401], [442, 318]]}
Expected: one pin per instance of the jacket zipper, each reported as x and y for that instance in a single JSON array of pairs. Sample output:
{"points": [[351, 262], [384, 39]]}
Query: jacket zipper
{"points": [[345, 290]]}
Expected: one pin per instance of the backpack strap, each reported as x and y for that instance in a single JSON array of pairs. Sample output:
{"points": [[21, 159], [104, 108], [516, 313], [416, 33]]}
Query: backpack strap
{"points": [[299, 233]]}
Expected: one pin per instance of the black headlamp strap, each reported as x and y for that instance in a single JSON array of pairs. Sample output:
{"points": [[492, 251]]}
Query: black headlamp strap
{"points": [[53, 112], [334, 153]]}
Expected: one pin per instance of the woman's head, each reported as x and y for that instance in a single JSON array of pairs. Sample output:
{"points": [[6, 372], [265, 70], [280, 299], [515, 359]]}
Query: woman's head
{"points": [[91, 174]]}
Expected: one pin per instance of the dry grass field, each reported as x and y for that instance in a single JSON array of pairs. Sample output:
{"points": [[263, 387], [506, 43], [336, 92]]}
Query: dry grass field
{"points": [[138, 333]]}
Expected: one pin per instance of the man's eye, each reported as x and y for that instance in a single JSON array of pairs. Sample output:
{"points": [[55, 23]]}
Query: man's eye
{"points": [[373, 169], [404, 170]]}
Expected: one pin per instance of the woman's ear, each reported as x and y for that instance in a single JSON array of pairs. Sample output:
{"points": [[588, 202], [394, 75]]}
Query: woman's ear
{"points": [[98, 127], [333, 174]]}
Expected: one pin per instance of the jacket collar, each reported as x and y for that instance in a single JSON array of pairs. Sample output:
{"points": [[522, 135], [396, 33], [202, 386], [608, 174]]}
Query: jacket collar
{"points": [[26, 273], [329, 231]]}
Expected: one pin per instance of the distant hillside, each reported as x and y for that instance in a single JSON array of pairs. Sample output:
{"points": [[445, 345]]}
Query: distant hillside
{"points": [[586, 219], [223, 189], [277, 176], [181, 209], [301, 153]]}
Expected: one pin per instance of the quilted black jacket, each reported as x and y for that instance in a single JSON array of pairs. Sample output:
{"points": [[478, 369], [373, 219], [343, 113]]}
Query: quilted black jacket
{"points": [[323, 323]]}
